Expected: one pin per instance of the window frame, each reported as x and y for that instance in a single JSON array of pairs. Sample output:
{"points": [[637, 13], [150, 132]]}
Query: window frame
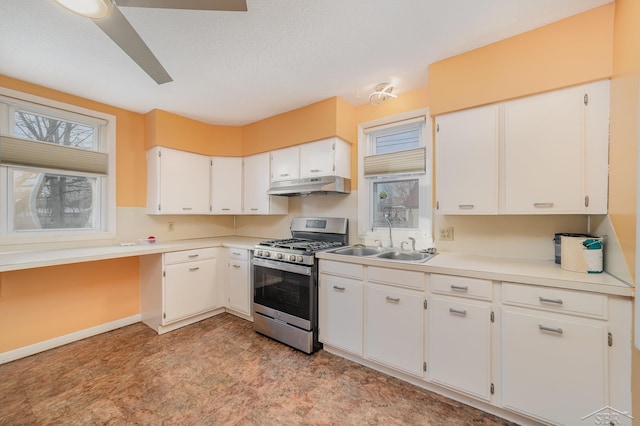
{"points": [[369, 231], [105, 185]]}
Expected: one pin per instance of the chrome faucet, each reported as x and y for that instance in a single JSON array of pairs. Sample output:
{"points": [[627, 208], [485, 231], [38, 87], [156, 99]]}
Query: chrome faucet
{"points": [[413, 243], [386, 219]]}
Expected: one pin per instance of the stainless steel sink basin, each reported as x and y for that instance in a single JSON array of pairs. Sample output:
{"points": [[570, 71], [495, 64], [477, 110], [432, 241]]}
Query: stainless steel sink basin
{"points": [[406, 256], [357, 251]]}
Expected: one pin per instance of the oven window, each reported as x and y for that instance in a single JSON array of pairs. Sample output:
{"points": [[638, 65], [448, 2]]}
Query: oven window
{"points": [[284, 291]]}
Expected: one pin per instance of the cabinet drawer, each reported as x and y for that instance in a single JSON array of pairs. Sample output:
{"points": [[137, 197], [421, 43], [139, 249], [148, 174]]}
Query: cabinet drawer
{"points": [[340, 268], [396, 277], [238, 254], [189, 255], [461, 286], [556, 300]]}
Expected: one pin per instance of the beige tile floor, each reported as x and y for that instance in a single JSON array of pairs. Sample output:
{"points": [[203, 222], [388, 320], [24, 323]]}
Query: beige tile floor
{"points": [[216, 372]]}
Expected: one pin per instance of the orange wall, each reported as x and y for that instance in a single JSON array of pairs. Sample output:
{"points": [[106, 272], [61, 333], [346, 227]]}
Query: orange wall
{"points": [[174, 131], [307, 124], [43, 303], [568, 52]]}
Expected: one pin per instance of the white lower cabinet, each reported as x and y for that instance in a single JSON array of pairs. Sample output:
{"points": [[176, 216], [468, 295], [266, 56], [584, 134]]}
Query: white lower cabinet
{"points": [[525, 352], [394, 327], [340, 312], [178, 288], [460, 345], [238, 281], [554, 366]]}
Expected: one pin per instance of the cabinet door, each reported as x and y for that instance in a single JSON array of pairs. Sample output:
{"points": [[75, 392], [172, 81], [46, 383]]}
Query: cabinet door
{"points": [[394, 328], [544, 153], [554, 367], [226, 185], [459, 345], [239, 287], [256, 184], [177, 182], [189, 288], [285, 164], [340, 309], [467, 161], [317, 158]]}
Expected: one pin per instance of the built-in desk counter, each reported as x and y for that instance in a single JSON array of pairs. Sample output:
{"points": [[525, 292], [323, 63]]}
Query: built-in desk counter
{"points": [[17, 260]]}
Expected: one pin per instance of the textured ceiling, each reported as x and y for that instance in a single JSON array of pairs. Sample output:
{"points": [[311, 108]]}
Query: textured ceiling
{"points": [[238, 67]]}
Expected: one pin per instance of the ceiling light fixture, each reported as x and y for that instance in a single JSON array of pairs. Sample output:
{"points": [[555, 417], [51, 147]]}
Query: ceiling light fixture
{"points": [[382, 93], [94, 9]]}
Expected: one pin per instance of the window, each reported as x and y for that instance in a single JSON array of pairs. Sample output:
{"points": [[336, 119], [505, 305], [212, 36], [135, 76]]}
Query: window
{"points": [[57, 171], [395, 179]]}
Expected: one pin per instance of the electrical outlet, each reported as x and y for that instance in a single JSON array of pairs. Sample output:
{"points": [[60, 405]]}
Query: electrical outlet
{"points": [[446, 234], [170, 226]]}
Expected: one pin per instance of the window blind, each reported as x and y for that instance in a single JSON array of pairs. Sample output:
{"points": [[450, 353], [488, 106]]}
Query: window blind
{"points": [[411, 161], [25, 152]]}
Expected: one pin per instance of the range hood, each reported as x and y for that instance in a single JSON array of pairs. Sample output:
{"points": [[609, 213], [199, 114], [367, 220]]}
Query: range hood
{"points": [[311, 186]]}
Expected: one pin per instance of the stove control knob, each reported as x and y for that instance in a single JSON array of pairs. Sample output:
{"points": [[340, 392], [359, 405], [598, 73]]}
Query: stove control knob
{"points": [[278, 255], [299, 259], [267, 254], [259, 253], [292, 258]]}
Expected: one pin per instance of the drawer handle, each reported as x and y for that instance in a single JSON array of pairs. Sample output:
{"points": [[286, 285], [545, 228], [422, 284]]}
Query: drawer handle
{"points": [[194, 268], [191, 256], [550, 329], [392, 299], [187, 208], [315, 171], [542, 205], [335, 287], [284, 174], [554, 301], [463, 288], [458, 312], [224, 209], [236, 266], [466, 206], [235, 253], [253, 209]]}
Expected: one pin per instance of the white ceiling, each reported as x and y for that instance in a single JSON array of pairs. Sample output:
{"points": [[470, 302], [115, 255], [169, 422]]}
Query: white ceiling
{"points": [[234, 68]]}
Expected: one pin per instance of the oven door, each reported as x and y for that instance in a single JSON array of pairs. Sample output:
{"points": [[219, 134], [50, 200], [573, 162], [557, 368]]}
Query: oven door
{"points": [[284, 291]]}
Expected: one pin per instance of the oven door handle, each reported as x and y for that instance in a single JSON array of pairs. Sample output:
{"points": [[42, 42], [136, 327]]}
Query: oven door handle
{"points": [[282, 266]]}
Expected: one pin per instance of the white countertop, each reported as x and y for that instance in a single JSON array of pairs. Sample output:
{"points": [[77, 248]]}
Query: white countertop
{"points": [[13, 261], [537, 272]]}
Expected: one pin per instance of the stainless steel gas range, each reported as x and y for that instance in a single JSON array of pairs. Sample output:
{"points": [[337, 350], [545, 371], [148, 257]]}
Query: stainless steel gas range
{"points": [[285, 281]]}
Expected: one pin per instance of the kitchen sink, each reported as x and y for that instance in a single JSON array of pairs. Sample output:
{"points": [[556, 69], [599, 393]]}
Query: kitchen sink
{"points": [[388, 254], [406, 256], [357, 251]]}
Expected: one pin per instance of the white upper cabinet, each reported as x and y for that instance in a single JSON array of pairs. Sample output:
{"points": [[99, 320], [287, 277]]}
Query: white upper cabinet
{"points": [[467, 161], [544, 157], [226, 185], [542, 154], [177, 182], [255, 185], [285, 164], [328, 157]]}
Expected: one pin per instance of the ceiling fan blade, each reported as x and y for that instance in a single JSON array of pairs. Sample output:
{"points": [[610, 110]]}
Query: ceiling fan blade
{"points": [[122, 33], [224, 5]]}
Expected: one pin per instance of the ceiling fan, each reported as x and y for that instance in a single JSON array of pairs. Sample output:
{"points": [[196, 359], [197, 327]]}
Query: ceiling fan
{"points": [[106, 15]]}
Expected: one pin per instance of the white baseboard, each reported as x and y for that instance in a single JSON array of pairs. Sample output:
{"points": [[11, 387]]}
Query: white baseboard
{"points": [[67, 338]]}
